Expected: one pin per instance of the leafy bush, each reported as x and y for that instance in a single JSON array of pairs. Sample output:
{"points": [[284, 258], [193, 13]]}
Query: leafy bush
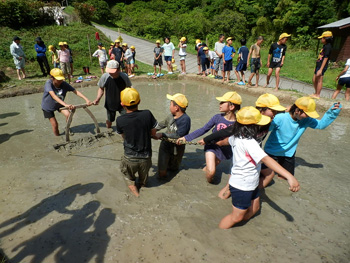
{"points": [[25, 13], [85, 11]]}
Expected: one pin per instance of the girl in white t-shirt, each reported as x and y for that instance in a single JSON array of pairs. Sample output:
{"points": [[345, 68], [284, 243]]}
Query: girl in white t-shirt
{"points": [[343, 80], [247, 158], [182, 53]]}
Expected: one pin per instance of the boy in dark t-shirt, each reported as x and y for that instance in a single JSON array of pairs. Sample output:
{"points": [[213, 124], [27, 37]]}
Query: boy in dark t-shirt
{"points": [[118, 53], [55, 91], [113, 82], [322, 62], [178, 124], [158, 59], [275, 59], [137, 127], [243, 53]]}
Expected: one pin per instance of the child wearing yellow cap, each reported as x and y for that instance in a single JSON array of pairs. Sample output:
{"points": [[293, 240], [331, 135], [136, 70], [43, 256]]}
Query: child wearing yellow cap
{"points": [[247, 159], [158, 59], [287, 128], [230, 102], [322, 62], [177, 124], [275, 59], [182, 53], [55, 91], [137, 127]]}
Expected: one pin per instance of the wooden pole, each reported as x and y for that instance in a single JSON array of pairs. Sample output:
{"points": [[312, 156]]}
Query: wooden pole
{"points": [[89, 49], [76, 106]]}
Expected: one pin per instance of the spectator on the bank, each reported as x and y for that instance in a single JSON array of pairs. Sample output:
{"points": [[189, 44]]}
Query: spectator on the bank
{"points": [[101, 54], [63, 56], [219, 61], [70, 58], [18, 57], [40, 49], [54, 56], [169, 53]]}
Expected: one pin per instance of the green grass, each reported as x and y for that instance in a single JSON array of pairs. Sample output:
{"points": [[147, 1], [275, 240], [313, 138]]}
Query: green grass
{"points": [[69, 10]]}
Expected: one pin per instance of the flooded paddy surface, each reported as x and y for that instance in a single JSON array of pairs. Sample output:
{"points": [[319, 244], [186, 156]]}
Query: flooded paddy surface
{"points": [[59, 206]]}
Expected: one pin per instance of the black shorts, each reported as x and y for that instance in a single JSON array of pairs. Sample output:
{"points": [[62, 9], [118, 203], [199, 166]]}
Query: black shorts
{"points": [[287, 163], [158, 62], [49, 114], [228, 65], [205, 64], [323, 71], [344, 81], [111, 115], [275, 64]]}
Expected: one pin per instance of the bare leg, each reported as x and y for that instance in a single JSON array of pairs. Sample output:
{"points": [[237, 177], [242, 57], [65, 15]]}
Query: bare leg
{"points": [[108, 124], [54, 125], [211, 163], [243, 76], [225, 192], [23, 73], [237, 76], [337, 91], [257, 79], [228, 76], [223, 76], [133, 189], [250, 79], [155, 70], [266, 176], [235, 217], [277, 73], [269, 73], [347, 94], [160, 69], [19, 74], [319, 86]]}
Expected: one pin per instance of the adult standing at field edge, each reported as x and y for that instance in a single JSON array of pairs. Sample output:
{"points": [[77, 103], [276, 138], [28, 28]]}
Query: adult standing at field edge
{"points": [[18, 57], [40, 49]]}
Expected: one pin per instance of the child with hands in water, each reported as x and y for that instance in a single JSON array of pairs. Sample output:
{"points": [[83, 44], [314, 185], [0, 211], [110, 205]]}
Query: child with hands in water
{"points": [[247, 159], [214, 154]]}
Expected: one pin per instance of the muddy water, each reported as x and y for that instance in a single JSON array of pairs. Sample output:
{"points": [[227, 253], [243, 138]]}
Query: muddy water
{"points": [[60, 207]]}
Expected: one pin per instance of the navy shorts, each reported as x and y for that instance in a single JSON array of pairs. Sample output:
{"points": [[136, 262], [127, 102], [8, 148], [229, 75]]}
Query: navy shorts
{"points": [[323, 71], [168, 58], [205, 64], [243, 199], [228, 65], [344, 81], [48, 114], [241, 67], [287, 163]]}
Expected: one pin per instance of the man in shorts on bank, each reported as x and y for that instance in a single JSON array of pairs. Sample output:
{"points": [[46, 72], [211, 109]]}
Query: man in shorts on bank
{"points": [[55, 91], [137, 128], [275, 59], [158, 58], [113, 82]]}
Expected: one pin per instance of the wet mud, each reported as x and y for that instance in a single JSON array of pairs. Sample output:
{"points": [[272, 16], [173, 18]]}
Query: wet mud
{"points": [[68, 202]]}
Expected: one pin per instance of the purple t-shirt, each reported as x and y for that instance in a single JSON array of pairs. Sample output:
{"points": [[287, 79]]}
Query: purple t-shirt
{"points": [[217, 122]]}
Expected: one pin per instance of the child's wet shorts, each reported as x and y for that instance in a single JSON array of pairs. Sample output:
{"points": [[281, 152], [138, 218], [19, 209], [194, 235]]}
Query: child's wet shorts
{"points": [[323, 71], [243, 199], [228, 65], [182, 57], [344, 81], [111, 115], [168, 58], [254, 65], [287, 163], [48, 114], [275, 64]]}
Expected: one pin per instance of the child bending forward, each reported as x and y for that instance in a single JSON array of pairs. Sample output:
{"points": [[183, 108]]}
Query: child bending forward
{"points": [[247, 156]]}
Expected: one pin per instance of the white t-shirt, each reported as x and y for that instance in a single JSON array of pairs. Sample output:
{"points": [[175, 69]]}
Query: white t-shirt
{"points": [[101, 54], [168, 49], [182, 50], [218, 47], [347, 73], [246, 158], [212, 55]]}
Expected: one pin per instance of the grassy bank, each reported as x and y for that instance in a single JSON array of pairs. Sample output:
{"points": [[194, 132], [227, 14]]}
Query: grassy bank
{"points": [[76, 35]]}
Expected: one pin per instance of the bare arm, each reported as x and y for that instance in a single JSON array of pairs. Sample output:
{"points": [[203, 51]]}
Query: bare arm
{"points": [[282, 62], [272, 164], [250, 53], [56, 98], [268, 60], [100, 93], [341, 73], [319, 72]]}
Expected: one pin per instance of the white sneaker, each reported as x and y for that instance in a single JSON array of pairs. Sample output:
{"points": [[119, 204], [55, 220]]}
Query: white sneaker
{"points": [[169, 73], [131, 76]]}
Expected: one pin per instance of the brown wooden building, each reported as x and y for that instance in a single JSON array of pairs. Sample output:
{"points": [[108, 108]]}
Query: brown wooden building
{"points": [[341, 39]]}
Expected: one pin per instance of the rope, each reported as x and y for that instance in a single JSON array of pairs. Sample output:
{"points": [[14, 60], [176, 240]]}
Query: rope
{"points": [[174, 141]]}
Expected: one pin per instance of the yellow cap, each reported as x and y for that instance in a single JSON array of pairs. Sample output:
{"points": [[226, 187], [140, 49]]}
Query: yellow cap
{"points": [[124, 45], [65, 43], [132, 47], [112, 44], [205, 48], [158, 42], [307, 105], [283, 35], [129, 97], [183, 39], [198, 41], [117, 41], [50, 47], [60, 43], [269, 101], [326, 34], [57, 74], [229, 38], [179, 98], [231, 96], [250, 115]]}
